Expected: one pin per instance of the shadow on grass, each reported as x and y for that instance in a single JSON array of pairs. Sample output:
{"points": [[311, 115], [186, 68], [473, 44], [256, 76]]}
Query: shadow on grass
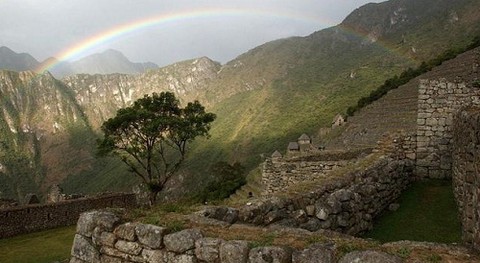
{"points": [[40, 247], [427, 212]]}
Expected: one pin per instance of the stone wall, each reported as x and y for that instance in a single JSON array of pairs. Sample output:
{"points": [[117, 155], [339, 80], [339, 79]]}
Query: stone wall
{"points": [[278, 173], [466, 173], [102, 237], [347, 203], [20, 220], [438, 102]]}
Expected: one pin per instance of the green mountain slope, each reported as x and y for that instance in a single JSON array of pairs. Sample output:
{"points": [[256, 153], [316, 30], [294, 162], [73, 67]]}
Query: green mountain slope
{"points": [[309, 80], [263, 99]]}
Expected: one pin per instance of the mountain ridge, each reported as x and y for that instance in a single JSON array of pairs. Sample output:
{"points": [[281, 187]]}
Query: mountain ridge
{"points": [[274, 92]]}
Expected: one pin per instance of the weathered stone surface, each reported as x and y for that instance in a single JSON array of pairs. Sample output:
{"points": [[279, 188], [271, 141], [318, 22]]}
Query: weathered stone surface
{"points": [[76, 260], [226, 214], [126, 231], [316, 253], [109, 259], [83, 249], [154, 256], [118, 254], [270, 255], [131, 248], [182, 241], [370, 257], [102, 238], [150, 235], [208, 249], [88, 221], [184, 259], [235, 251]]}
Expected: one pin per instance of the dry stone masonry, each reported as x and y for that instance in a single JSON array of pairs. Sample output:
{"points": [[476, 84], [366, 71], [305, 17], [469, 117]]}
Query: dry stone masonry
{"points": [[347, 203], [102, 237], [31, 218], [438, 102], [466, 173]]}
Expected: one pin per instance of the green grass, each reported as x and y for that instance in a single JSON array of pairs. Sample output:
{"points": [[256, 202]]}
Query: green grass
{"points": [[427, 213], [40, 247]]}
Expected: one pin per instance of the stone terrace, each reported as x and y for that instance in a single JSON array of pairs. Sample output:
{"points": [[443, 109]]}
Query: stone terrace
{"points": [[397, 110]]}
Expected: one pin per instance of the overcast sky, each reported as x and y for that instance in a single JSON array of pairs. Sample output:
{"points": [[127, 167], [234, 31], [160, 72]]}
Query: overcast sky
{"points": [[46, 28]]}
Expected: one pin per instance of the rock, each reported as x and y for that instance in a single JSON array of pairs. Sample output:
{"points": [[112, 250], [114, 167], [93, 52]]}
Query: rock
{"points": [[88, 221], [226, 214], [313, 224], [310, 209], [126, 231], [274, 216], [322, 213], [394, 207], [76, 260], [270, 255], [119, 254], [184, 259], [182, 241], [235, 251], [150, 235], [83, 249], [154, 256], [369, 257], [101, 238], [316, 253], [131, 248], [208, 249]]}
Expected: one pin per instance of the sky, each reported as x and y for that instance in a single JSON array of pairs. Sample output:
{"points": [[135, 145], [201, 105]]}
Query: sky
{"points": [[218, 29]]}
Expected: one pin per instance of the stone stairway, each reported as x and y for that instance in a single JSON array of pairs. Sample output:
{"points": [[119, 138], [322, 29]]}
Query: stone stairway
{"points": [[397, 110], [254, 185]]}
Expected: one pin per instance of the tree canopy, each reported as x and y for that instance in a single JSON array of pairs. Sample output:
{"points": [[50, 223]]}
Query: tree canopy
{"points": [[151, 136]]}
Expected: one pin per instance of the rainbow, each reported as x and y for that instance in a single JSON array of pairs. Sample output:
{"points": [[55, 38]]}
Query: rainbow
{"points": [[114, 33], [162, 19]]}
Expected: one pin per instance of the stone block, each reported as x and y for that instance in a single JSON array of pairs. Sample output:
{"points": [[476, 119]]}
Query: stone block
{"points": [[235, 251], [128, 247], [150, 235], [370, 257], [270, 254], [88, 221], [101, 238], [316, 253], [182, 241], [83, 249], [118, 254], [208, 249], [126, 231]]}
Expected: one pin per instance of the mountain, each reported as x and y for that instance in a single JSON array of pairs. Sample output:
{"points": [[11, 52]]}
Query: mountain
{"points": [[11, 60], [271, 94], [108, 62]]}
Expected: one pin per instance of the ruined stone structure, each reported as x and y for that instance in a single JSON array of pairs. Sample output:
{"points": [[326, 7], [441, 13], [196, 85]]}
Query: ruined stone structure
{"points": [[102, 237], [278, 172], [439, 100], [31, 218], [55, 194], [346, 203], [466, 173]]}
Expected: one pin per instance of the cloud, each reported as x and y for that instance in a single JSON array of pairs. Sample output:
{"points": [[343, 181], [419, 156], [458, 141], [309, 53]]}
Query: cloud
{"points": [[46, 28]]}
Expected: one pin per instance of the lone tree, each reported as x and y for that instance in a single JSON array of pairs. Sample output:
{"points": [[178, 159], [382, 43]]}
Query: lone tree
{"points": [[151, 136]]}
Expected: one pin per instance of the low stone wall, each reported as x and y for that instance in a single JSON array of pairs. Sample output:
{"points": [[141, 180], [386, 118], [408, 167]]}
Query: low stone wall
{"points": [[347, 203], [21, 220], [103, 238], [281, 172], [466, 173]]}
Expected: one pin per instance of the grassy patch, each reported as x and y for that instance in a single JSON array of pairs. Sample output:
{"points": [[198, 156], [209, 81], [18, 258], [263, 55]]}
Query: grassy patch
{"points": [[40, 247], [427, 213]]}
